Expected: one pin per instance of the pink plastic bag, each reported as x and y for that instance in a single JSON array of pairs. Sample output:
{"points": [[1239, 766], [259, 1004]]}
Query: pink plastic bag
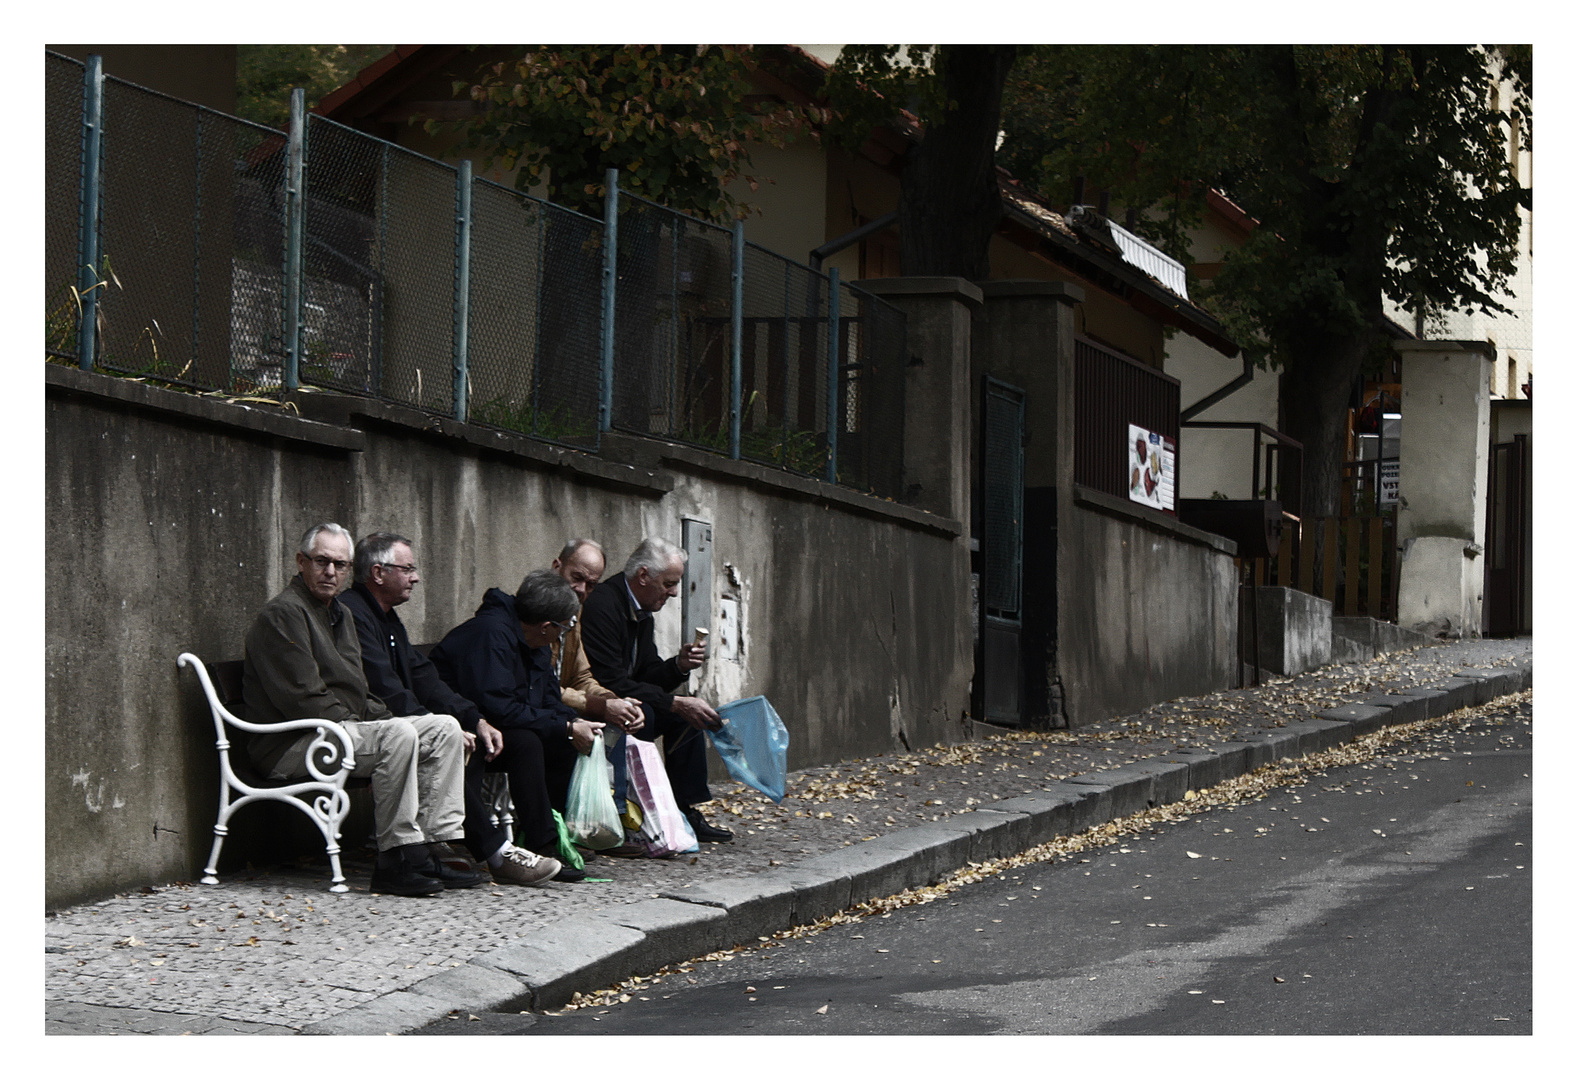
{"points": [[665, 831]]}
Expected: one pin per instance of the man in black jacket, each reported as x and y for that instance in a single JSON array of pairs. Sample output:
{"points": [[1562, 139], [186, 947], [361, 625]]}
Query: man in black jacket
{"points": [[409, 683], [618, 634], [500, 659]]}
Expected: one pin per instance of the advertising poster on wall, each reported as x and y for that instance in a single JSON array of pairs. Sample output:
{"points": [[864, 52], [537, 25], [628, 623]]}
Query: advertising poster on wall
{"points": [[1151, 468]]}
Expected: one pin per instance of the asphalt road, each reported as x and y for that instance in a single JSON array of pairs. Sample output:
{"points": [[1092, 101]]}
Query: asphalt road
{"points": [[1393, 897]]}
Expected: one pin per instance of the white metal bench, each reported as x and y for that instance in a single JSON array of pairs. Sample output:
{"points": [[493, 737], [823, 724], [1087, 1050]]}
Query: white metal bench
{"points": [[329, 760]]}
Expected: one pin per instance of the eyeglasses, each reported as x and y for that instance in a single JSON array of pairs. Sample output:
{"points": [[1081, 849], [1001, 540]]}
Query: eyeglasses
{"points": [[568, 626], [324, 562], [407, 569]]}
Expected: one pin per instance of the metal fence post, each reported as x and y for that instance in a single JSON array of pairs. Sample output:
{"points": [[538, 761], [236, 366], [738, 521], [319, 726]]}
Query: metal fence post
{"points": [[88, 241], [737, 389], [462, 295], [609, 295], [834, 411], [294, 207]]}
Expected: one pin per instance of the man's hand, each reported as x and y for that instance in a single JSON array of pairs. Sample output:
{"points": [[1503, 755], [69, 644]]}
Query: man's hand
{"points": [[583, 734], [698, 714], [470, 743], [491, 739], [691, 657], [624, 714]]}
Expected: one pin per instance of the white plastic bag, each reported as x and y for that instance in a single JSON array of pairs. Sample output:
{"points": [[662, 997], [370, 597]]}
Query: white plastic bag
{"points": [[591, 817]]}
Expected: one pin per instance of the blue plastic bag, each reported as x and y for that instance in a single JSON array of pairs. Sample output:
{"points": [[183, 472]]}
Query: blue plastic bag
{"points": [[753, 744]]}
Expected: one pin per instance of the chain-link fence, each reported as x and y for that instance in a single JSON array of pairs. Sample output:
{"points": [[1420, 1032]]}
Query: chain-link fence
{"points": [[872, 376], [784, 383], [535, 317], [673, 326], [62, 204], [378, 257], [377, 271]]}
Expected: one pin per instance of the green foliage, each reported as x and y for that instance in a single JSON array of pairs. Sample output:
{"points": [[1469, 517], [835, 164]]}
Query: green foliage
{"points": [[949, 98], [265, 75], [1372, 169], [555, 425], [870, 85], [677, 122]]}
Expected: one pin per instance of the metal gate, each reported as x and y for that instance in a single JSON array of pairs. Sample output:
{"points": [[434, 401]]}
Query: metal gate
{"points": [[998, 666], [1506, 601]]}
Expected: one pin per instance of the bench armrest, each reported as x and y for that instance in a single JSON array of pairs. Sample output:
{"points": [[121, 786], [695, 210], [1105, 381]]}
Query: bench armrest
{"points": [[332, 744]]}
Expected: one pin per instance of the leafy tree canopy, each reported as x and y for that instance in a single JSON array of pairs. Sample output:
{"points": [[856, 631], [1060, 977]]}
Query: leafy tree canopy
{"points": [[677, 122], [950, 203], [1371, 168], [1375, 171], [265, 75]]}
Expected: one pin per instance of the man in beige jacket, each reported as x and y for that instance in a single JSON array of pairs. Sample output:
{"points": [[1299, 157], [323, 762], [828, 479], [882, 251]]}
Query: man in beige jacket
{"points": [[581, 563]]}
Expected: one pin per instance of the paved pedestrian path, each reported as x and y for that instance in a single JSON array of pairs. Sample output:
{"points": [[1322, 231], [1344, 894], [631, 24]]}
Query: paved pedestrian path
{"points": [[275, 952]]}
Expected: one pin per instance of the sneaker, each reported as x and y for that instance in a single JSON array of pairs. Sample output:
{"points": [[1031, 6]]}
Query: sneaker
{"points": [[705, 831], [521, 867]]}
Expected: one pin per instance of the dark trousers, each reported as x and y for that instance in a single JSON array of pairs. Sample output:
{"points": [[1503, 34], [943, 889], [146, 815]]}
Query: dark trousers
{"points": [[685, 755], [538, 771]]}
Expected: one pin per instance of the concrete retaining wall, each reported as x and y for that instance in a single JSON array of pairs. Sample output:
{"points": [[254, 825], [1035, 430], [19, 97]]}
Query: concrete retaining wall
{"points": [[182, 513], [1147, 609], [1293, 631]]}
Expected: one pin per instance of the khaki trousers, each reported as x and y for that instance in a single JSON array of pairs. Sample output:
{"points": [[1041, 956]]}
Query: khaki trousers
{"points": [[417, 766]]}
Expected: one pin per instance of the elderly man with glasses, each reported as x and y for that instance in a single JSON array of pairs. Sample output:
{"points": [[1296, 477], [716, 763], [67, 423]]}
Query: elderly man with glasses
{"points": [[500, 659], [303, 661], [408, 682]]}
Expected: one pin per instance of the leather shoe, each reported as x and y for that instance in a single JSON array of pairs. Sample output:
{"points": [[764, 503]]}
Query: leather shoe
{"points": [[624, 851], [569, 874], [393, 875], [449, 876], [704, 830]]}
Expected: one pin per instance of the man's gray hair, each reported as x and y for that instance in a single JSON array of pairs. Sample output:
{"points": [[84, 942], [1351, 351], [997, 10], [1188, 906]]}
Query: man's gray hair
{"points": [[545, 597], [654, 554], [572, 548], [376, 549], [309, 537]]}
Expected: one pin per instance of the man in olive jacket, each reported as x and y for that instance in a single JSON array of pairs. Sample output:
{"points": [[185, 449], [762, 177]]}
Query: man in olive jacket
{"points": [[303, 661]]}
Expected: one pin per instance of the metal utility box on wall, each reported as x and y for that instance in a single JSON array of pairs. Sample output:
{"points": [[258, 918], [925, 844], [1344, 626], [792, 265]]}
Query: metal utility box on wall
{"points": [[696, 590]]}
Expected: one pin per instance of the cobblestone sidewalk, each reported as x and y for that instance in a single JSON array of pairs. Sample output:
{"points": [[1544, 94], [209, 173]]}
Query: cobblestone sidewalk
{"points": [[274, 951]]}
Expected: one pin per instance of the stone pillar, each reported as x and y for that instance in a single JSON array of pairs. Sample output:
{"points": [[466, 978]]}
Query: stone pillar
{"points": [[936, 433], [1025, 338], [1026, 326], [1444, 485]]}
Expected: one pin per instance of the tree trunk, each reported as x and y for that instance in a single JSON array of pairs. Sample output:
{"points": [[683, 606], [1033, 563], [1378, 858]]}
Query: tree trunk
{"points": [[1315, 396], [950, 202]]}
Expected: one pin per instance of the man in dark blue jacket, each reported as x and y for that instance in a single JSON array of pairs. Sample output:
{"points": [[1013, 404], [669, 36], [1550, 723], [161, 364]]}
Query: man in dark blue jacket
{"points": [[620, 644], [500, 658], [385, 572]]}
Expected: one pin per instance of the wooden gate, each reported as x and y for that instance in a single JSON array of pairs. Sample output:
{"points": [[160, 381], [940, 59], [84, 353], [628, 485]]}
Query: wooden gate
{"points": [[1348, 559]]}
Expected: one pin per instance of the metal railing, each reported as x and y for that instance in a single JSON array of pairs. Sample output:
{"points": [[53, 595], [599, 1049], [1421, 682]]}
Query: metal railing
{"points": [[1276, 458], [1111, 391], [213, 254]]}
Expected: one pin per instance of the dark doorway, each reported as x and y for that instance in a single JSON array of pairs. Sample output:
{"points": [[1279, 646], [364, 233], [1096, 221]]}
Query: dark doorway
{"points": [[1507, 611], [998, 668]]}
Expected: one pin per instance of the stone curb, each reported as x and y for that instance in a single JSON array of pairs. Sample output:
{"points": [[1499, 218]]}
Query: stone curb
{"points": [[587, 952]]}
